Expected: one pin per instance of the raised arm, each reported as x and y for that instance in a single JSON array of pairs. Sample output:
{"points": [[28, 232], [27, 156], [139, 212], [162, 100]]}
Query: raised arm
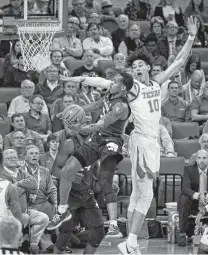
{"points": [[182, 56], [94, 106]]}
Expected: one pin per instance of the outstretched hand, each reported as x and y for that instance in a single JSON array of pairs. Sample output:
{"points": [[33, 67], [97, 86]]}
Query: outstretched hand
{"points": [[192, 26]]}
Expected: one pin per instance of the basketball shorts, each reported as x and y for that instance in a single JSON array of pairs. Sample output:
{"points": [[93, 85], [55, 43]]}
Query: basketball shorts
{"points": [[145, 156], [99, 148]]}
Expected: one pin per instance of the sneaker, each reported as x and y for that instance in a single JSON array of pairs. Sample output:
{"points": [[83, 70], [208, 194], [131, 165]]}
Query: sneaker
{"points": [[114, 231], [182, 240], [124, 249], [58, 219]]}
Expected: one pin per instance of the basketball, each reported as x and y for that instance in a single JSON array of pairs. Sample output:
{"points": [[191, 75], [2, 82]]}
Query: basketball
{"points": [[74, 113]]}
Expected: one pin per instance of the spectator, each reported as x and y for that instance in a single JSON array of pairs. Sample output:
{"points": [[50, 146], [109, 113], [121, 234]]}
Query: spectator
{"points": [[121, 33], [78, 31], [80, 12], [156, 26], [201, 39], [119, 65], [199, 107], [168, 10], [52, 88], [196, 7], [56, 60], [167, 124], [16, 74], [20, 104], [88, 69], [175, 108], [108, 11], [37, 121], [137, 10], [132, 42], [92, 6], [193, 87], [45, 200], [96, 18], [19, 145], [11, 58], [23, 182], [70, 88], [165, 142], [14, 8], [11, 234], [47, 160], [70, 46], [32, 137], [100, 45], [203, 141], [57, 123], [193, 192], [167, 44], [150, 43], [193, 63]]}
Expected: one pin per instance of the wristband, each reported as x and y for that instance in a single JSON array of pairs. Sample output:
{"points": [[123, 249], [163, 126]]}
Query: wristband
{"points": [[191, 37]]}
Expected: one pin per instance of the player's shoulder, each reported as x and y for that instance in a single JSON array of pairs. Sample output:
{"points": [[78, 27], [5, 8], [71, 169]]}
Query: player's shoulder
{"points": [[155, 84], [135, 90]]}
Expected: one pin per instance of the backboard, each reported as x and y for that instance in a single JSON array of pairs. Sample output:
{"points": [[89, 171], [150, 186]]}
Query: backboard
{"points": [[19, 12]]}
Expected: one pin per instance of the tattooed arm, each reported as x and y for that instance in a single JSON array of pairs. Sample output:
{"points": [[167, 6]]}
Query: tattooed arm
{"points": [[12, 200], [119, 111]]}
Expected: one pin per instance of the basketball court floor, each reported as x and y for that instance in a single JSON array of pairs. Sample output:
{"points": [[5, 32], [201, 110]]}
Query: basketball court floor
{"points": [[147, 246]]}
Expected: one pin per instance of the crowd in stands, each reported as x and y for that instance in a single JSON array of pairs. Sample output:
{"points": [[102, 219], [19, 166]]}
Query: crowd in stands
{"points": [[35, 115]]}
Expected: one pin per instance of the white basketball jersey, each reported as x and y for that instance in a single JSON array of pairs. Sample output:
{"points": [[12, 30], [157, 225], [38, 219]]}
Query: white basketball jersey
{"points": [[146, 108], [4, 210]]}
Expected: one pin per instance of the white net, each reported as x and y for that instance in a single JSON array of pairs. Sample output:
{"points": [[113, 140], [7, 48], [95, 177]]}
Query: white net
{"points": [[35, 40]]}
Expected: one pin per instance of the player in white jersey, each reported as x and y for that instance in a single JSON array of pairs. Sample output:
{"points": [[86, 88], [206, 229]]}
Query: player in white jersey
{"points": [[145, 104]]}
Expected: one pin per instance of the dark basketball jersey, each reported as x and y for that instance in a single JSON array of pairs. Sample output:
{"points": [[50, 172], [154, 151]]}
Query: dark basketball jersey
{"points": [[117, 128]]}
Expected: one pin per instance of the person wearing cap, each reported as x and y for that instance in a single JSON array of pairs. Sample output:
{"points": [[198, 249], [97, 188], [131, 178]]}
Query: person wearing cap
{"points": [[106, 146]]}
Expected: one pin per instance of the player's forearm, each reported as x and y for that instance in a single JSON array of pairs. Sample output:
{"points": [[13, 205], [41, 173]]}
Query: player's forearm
{"points": [[184, 53]]}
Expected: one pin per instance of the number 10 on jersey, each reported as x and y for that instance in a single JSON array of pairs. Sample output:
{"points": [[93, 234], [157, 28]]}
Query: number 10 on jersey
{"points": [[154, 105]]}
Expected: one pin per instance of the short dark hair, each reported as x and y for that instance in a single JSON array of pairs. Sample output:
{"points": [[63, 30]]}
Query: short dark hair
{"points": [[127, 80], [56, 50], [172, 82], [92, 24], [140, 55], [31, 99], [150, 38], [52, 137], [17, 115]]}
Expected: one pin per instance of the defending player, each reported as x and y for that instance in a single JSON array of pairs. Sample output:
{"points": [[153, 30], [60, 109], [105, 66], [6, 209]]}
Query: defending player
{"points": [[106, 145], [144, 149]]}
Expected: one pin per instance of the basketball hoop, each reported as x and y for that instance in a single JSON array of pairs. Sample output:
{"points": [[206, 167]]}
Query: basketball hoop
{"points": [[35, 40]]}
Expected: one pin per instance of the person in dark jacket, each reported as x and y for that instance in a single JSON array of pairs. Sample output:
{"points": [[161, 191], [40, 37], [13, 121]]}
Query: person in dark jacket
{"points": [[169, 11], [15, 75]]}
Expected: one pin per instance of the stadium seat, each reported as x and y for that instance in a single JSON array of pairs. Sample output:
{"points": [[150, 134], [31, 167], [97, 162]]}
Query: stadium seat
{"points": [[173, 165], [4, 127], [104, 64], [3, 109], [110, 25], [202, 53], [185, 148], [185, 129], [7, 94], [72, 65], [144, 25]]}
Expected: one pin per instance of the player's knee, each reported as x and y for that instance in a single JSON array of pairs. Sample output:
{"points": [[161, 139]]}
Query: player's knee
{"points": [[132, 204], [108, 191], [111, 197], [144, 203], [96, 235], [72, 167]]}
